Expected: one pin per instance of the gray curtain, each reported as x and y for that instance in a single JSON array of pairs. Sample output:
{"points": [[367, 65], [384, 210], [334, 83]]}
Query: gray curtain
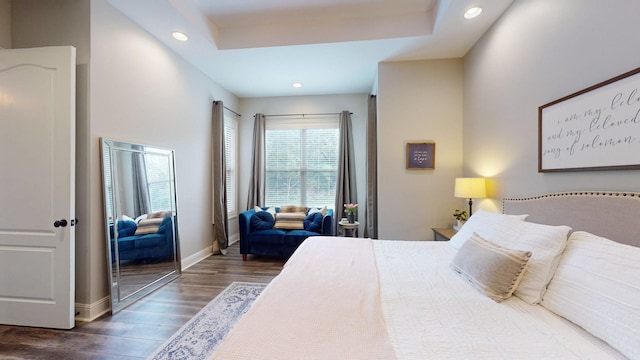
{"points": [[142, 203], [371, 209], [219, 173], [256, 182], [346, 187]]}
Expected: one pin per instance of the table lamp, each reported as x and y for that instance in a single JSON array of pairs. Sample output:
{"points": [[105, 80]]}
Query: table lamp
{"points": [[470, 188]]}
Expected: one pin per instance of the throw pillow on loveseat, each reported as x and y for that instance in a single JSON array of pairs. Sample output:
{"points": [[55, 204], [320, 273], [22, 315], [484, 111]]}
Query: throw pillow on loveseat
{"points": [[150, 239]]}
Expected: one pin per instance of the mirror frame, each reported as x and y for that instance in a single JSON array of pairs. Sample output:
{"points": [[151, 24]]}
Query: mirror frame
{"points": [[110, 147]]}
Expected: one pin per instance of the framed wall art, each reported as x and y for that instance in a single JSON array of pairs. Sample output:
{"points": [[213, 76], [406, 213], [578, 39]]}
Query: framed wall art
{"points": [[597, 128], [421, 155]]}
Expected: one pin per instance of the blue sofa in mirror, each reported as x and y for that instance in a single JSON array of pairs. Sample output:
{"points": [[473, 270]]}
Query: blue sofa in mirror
{"points": [[278, 231], [150, 238], [141, 219]]}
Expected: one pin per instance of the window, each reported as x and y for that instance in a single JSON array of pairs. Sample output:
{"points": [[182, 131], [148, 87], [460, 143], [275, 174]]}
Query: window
{"points": [[108, 187], [158, 170], [301, 162], [230, 145]]}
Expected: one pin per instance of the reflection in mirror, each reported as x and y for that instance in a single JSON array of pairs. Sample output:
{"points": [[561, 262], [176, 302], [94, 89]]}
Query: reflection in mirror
{"points": [[141, 219]]}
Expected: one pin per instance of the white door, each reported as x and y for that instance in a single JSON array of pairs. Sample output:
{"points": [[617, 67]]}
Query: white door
{"points": [[37, 187]]}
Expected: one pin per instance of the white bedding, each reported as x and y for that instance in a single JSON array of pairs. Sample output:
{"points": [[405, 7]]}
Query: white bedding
{"points": [[325, 304], [433, 314], [343, 298]]}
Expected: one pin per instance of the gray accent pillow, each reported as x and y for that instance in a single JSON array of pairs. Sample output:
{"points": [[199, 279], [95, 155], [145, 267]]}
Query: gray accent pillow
{"points": [[493, 270]]}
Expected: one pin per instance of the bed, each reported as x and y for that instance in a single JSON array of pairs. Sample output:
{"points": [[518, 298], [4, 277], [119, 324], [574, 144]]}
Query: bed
{"points": [[555, 287]]}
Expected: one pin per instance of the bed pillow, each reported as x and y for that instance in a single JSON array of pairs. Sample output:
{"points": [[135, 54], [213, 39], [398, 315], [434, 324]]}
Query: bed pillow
{"points": [[290, 220], [493, 270], [545, 242], [313, 222], [484, 223], [261, 220], [597, 286]]}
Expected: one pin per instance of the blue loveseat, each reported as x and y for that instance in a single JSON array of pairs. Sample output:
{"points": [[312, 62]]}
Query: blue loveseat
{"points": [[265, 241], [157, 246]]}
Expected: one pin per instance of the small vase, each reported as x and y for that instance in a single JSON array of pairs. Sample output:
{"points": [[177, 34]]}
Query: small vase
{"points": [[351, 218]]}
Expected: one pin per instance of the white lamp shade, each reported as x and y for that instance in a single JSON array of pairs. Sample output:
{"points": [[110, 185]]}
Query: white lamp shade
{"points": [[470, 188]]}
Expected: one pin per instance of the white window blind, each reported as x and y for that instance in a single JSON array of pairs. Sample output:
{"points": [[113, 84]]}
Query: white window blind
{"points": [[108, 187], [230, 146], [301, 162], [159, 180]]}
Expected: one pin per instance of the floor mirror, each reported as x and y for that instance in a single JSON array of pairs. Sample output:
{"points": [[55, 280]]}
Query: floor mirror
{"points": [[141, 219]]}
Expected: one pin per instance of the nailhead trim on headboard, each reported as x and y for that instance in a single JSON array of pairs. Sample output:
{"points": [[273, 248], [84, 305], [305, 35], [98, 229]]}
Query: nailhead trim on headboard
{"points": [[573, 193]]}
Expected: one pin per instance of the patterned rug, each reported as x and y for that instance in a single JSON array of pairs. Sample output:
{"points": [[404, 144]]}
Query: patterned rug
{"points": [[202, 334]]}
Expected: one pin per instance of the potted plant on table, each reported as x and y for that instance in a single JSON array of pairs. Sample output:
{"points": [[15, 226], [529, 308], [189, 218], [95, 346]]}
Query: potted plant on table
{"points": [[350, 209], [461, 216]]}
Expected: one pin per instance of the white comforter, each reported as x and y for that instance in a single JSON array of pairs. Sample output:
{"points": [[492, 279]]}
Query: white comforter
{"points": [[431, 313], [343, 298]]}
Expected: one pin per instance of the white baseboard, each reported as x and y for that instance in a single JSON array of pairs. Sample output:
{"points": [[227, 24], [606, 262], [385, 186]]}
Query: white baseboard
{"points": [[195, 258], [90, 312], [234, 239]]}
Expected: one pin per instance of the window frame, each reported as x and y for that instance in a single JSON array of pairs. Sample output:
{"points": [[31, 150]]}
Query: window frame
{"points": [[303, 125]]}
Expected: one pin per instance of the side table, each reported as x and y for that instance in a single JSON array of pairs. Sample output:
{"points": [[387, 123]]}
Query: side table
{"points": [[443, 234], [351, 228]]}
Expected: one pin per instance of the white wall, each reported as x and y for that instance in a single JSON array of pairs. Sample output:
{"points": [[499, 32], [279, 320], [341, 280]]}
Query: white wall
{"points": [[537, 52], [418, 101], [356, 103]]}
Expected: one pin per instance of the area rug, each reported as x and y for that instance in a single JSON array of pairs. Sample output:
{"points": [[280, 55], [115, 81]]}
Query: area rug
{"points": [[201, 335]]}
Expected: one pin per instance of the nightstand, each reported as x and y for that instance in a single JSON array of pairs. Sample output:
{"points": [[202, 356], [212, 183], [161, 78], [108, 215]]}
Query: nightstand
{"points": [[351, 227], [443, 234]]}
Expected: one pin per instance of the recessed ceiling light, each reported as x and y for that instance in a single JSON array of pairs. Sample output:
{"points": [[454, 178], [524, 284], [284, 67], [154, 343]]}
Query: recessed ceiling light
{"points": [[180, 36], [473, 12], [297, 85]]}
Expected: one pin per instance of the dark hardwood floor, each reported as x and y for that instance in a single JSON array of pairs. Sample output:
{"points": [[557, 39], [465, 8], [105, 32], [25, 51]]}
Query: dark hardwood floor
{"points": [[136, 332]]}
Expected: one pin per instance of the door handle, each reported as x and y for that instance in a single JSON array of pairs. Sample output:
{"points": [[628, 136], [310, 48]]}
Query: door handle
{"points": [[60, 223]]}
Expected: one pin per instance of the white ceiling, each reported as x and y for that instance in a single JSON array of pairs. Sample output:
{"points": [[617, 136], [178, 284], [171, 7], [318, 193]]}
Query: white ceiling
{"points": [[257, 48]]}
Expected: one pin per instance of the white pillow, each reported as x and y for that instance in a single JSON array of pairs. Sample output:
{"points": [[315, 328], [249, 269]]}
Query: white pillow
{"points": [[485, 224], [597, 286], [271, 210], [544, 241], [323, 211], [141, 217]]}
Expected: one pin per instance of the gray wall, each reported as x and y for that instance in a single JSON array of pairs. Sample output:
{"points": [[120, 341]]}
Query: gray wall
{"points": [[418, 101], [131, 88], [356, 103], [5, 24], [540, 51]]}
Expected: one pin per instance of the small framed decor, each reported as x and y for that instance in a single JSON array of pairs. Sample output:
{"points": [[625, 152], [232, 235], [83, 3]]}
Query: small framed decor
{"points": [[421, 155], [597, 128]]}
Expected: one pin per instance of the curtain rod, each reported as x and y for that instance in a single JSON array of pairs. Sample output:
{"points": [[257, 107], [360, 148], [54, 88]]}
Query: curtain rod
{"points": [[226, 108], [303, 115]]}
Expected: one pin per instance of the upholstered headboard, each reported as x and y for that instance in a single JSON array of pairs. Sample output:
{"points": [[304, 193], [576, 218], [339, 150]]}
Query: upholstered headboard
{"points": [[614, 215]]}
